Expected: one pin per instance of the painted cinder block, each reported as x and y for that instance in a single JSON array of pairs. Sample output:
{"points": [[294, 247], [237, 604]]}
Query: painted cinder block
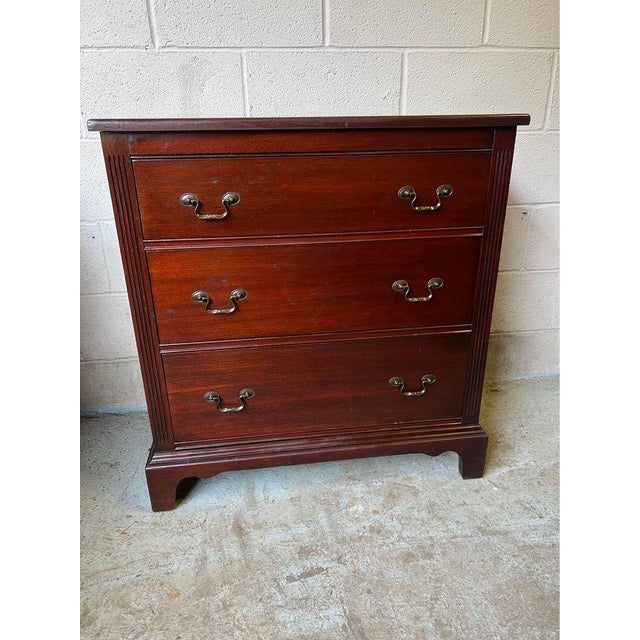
{"points": [[323, 83], [523, 354], [95, 202], [239, 23], [523, 23], [116, 23], [168, 84], [514, 238], [93, 274], [543, 242], [449, 82], [398, 23], [111, 384], [112, 257], [554, 115], [526, 301], [106, 328], [535, 176]]}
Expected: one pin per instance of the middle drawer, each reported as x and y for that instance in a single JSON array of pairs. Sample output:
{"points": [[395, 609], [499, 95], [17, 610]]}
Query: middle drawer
{"points": [[204, 294]]}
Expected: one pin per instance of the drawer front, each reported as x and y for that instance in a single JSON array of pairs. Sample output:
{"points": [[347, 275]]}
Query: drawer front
{"points": [[293, 195], [312, 288], [302, 388]]}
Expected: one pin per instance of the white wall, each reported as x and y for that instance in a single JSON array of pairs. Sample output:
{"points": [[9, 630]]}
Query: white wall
{"points": [[223, 58]]}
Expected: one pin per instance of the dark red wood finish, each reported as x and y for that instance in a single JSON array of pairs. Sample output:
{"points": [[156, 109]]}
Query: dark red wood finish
{"points": [[309, 288], [165, 471], [289, 195], [502, 157], [168, 125], [277, 141], [315, 387], [316, 381], [123, 198]]}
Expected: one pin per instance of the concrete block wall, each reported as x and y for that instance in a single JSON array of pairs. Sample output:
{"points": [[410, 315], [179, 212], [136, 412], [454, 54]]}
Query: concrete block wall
{"points": [[235, 58]]}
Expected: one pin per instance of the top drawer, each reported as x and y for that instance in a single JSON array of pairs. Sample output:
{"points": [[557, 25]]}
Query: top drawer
{"points": [[307, 194]]}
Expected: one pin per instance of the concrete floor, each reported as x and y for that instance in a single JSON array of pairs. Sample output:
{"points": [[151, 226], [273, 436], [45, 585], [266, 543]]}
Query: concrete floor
{"points": [[395, 548]]}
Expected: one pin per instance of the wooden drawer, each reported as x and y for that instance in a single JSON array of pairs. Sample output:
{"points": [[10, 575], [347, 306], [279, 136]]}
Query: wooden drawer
{"points": [[313, 287], [309, 194], [320, 386]]}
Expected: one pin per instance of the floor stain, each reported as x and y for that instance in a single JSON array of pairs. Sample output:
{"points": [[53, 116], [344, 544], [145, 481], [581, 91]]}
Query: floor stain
{"points": [[309, 573]]}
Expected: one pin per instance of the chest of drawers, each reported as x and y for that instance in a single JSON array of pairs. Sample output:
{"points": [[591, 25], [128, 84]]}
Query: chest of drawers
{"points": [[309, 289]]}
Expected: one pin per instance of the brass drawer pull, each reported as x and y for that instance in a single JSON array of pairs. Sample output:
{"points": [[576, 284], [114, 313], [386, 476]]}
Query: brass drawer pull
{"points": [[214, 396], [235, 296], [403, 285], [409, 193], [229, 199], [399, 383]]}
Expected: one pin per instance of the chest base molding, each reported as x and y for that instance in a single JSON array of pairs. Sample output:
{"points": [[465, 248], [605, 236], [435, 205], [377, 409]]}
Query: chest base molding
{"points": [[167, 471]]}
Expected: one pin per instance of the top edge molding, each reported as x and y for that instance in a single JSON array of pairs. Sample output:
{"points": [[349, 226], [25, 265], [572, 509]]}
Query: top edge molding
{"points": [[135, 125]]}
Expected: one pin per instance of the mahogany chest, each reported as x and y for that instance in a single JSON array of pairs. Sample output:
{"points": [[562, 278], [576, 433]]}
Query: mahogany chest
{"points": [[309, 289]]}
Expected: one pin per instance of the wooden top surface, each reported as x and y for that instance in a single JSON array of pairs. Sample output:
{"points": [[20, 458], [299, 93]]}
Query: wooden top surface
{"points": [[263, 124]]}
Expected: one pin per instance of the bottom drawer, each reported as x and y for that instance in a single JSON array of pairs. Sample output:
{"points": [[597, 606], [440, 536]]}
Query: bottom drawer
{"points": [[311, 387]]}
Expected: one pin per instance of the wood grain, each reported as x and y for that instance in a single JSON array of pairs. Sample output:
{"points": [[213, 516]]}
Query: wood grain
{"points": [[317, 288], [309, 194], [488, 269], [121, 185], [165, 470], [315, 386], [269, 124], [278, 141]]}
